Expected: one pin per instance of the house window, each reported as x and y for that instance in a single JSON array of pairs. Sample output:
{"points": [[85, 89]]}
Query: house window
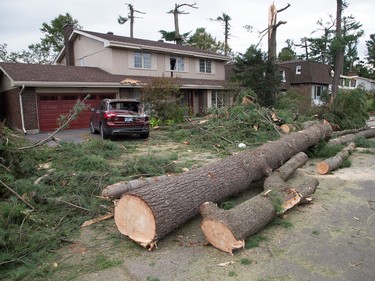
{"points": [[177, 63], [282, 74], [142, 60], [217, 99], [353, 83], [318, 92], [204, 66], [298, 69]]}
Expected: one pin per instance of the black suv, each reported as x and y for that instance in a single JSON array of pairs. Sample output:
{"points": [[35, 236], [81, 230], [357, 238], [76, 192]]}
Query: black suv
{"points": [[119, 117]]}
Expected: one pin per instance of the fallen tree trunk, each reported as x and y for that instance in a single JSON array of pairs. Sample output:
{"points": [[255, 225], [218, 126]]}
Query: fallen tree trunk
{"points": [[150, 213], [370, 133], [115, 191], [351, 131], [226, 230], [288, 128], [330, 164]]}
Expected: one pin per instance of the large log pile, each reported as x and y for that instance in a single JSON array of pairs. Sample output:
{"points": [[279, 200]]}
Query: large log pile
{"points": [[226, 230], [150, 213]]}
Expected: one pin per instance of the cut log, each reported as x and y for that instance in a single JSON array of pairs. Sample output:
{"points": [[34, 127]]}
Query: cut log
{"points": [[226, 230], [150, 213], [288, 128], [370, 133], [351, 131], [330, 164], [115, 191]]}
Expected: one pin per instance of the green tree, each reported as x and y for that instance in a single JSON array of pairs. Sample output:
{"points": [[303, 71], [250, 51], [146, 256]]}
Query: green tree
{"points": [[3, 52], [319, 47], [370, 51], [49, 46], [163, 95], [225, 19], [287, 53], [175, 35], [255, 71], [53, 39], [203, 40]]}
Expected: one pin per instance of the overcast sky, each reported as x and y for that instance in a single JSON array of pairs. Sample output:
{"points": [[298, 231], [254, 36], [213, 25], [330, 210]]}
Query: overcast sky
{"points": [[21, 20]]}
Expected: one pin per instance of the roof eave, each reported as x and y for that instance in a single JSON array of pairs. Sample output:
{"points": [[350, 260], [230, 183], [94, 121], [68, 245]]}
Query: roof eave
{"points": [[165, 50], [69, 84]]}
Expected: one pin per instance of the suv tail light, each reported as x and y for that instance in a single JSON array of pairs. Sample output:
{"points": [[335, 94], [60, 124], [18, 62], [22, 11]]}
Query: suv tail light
{"points": [[109, 115]]}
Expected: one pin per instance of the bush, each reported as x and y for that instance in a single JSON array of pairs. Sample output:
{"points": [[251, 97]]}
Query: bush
{"points": [[294, 102], [348, 110]]}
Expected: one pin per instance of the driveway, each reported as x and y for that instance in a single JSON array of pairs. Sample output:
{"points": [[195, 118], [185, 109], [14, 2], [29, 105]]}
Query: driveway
{"points": [[69, 135]]}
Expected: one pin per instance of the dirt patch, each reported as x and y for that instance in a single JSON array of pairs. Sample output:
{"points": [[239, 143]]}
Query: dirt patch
{"points": [[330, 239]]}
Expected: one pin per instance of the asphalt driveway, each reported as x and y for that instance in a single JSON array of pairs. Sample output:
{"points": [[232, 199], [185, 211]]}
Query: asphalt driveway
{"points": [[69, 135]]}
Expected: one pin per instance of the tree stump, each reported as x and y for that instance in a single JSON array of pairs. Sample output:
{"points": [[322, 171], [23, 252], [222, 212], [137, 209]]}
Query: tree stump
{"points": [[150, 213]]}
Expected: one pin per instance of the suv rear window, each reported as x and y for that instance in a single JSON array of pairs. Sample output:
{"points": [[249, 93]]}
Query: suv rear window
{"points": [[132, 106]]}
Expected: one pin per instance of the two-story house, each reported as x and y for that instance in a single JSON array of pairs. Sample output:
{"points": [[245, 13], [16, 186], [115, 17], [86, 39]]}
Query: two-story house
{"points": [[32, 97], [309, 78]]}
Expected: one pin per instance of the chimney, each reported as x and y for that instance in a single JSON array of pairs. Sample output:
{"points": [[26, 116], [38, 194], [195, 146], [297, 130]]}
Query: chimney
{"points": [[69, 51]]}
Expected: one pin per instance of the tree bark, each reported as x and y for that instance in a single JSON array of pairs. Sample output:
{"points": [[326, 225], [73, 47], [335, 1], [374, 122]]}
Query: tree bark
{"points": [[226, 230], [288, 128], [115, 191], [350, 137], [339, 51], [330, 164], [148, 214]]}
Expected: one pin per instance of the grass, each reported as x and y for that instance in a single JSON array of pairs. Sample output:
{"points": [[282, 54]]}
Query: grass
{"points": [[282, 222], [232, 274], [246, 261], [254, 241], [315, 232], [62, 201]]}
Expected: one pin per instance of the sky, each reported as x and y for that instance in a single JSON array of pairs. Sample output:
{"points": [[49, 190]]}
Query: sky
{"points": [[21, 20]]}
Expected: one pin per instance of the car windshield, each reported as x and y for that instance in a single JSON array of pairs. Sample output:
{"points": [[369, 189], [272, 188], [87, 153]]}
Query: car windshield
{"points": [[131, 106]]}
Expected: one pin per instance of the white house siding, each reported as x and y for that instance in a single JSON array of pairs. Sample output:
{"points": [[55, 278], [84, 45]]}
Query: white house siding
{"points": [[90, 52]]}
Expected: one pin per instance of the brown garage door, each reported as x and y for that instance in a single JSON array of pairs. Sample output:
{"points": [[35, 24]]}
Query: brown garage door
{"points": [[51, 106]]}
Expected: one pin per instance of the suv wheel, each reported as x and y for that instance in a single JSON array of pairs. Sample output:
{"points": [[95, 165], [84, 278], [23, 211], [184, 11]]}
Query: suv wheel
{"points": [[92, 128], [144, 136], [103, 134]]}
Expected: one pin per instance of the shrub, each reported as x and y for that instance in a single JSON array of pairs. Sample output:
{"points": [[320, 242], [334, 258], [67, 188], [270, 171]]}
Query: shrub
{"points": [[348, 110]]}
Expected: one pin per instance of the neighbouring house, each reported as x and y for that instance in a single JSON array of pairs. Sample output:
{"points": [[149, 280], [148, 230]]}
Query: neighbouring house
{"points": [[350, 82], [309, 78], [32, 97]]}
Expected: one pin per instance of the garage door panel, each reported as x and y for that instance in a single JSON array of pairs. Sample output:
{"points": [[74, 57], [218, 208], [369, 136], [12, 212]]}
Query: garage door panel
{"points": [[51, 106]]}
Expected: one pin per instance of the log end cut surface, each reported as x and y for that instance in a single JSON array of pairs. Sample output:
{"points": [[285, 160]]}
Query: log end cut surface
{"points": [[322, 168], [140, 228], [220, 236]]}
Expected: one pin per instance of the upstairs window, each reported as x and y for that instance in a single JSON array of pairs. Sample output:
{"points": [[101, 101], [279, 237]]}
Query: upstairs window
{"points": [[177, 63], [204, 66], [142, 60], [298, 69]]}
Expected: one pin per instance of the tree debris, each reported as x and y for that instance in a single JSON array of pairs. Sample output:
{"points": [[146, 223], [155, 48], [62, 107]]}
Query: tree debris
{"points": [[148, 214], [330, 164], [369, 133], [226, 230]]}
